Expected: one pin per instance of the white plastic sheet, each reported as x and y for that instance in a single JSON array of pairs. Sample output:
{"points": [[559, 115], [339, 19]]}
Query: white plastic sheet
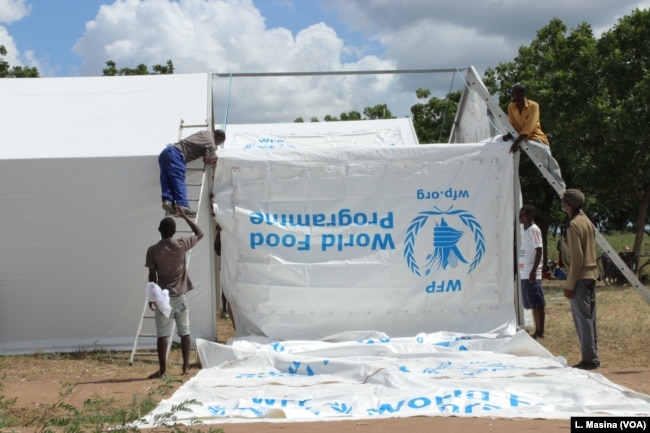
{"points": [[370, 375], [402, 240]]}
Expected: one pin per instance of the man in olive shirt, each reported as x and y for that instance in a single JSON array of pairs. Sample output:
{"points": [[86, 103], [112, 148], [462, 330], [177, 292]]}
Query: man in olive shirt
{"points": [[167, 268], [173, 166], [579, 253]]}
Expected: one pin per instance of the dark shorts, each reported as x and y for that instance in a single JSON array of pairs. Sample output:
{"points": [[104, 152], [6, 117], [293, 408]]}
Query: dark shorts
{"points": [[532, 294]]}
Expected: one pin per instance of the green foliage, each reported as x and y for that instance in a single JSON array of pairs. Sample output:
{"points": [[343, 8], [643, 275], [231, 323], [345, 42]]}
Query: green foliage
{"points": [[594, 97], [433, 119], [5, 406], [7, 71], [379, 111], [111, 69]]}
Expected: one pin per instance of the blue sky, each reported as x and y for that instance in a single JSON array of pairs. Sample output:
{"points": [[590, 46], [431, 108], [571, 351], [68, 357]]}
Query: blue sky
{"points": [[76, 37]]}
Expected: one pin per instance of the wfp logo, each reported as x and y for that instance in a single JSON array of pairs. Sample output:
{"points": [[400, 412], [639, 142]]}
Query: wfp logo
{"points": [[446, 229]]}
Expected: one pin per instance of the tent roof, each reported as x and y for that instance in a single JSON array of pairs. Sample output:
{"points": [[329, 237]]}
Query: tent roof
{"points": [[98, 116], [381, 132]]}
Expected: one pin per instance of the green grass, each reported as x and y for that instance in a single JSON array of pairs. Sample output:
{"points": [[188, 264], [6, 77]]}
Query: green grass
{"points": [[623, 325]]}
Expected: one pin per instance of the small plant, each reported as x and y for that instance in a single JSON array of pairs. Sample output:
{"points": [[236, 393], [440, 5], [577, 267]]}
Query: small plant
{"points": [[5, 405]]}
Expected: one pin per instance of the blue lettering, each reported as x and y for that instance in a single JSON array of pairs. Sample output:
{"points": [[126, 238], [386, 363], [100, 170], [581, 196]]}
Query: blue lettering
{"points": [[344, 218], [272, 240], [444, 286], [386, 243], [386, 407], [360, 219], [377, 241], [256, 240], [287, 240], [419, 403], [386, 222], [319, 220], [515, 401], [450, 193]]}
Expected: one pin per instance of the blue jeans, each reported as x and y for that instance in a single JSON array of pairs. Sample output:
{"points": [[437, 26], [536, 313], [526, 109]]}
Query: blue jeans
{"points": [[532, 294], [172, 176]]}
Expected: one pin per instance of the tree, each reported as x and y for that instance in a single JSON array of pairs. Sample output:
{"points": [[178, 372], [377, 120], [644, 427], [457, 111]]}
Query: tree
{"points": [[434, 118], [379, 111], [351, 115], [111, 69], [594, 97], [7, 71], [625, 109], [558, 71]]}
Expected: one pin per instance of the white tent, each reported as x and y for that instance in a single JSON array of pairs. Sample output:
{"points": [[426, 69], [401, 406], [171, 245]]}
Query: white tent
{"points": [[81, 204], [317, 135], [399, 240], [81, 200]]}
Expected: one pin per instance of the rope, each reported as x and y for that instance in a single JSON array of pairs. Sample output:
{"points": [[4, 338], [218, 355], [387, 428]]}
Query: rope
{"points": [[225, 120]]}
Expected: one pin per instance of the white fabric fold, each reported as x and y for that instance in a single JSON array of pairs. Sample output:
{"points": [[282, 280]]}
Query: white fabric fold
{"points": [[160, 297]]}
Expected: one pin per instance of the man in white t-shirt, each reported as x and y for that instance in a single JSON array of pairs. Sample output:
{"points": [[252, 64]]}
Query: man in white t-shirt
{"points": [[530, 269]]}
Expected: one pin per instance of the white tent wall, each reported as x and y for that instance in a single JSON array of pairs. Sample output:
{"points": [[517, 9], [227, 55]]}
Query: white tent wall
{"points": [[81, 203], [304, 280]]}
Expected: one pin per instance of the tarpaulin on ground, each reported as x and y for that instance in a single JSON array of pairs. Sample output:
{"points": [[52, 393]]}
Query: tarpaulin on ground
{"points": [[370, 375]]}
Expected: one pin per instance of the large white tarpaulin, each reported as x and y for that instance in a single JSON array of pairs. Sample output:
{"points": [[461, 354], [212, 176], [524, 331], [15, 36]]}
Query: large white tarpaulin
{"points": [[370, 376], [402, 239]]}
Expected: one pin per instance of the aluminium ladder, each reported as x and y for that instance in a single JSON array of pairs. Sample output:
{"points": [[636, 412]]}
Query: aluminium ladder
{"points": [[195, 181], [502, 118]]}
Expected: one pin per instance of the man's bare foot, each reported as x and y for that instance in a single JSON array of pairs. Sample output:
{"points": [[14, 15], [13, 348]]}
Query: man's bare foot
{"points": [[186, 369], [156, 375]]}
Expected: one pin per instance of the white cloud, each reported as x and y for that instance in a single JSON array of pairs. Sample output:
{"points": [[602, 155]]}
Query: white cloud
{"points": [[10, 11], [231, 36], [13, 10]]}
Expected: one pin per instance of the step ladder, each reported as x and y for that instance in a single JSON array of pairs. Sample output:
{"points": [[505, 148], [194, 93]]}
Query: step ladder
{"points": [[498, 115], [195, 180]]}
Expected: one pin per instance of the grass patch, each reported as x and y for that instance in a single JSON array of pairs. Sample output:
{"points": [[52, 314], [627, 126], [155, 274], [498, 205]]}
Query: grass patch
{"points": [[623, 324]]}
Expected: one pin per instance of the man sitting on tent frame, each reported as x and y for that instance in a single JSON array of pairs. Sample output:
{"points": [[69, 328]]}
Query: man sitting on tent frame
{"points": [[523, 115]]}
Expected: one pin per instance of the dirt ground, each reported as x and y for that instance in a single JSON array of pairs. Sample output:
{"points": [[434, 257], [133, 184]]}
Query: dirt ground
{"points": [[38, 387]]}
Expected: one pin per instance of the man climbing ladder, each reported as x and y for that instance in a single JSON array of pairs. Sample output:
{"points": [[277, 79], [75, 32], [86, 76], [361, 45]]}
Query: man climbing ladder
{"points": [[173, 166]]}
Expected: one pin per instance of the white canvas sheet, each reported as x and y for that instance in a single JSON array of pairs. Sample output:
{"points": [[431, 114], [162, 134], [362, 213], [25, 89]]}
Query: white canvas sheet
{"points": [[80, 194], [402, 239], [373, 133], [370, 375]]}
